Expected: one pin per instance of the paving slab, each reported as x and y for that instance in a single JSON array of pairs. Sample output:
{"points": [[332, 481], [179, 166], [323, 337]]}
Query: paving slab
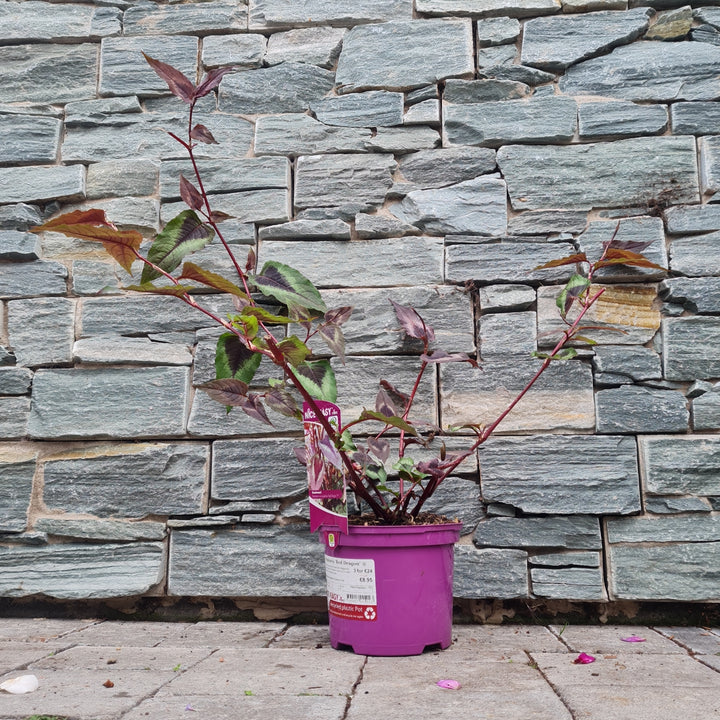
{"points": [[16, 655], [223, 634], [308, 637], [40, 629], [609, 639], [129, 634], [700, 641], [506, 637]]}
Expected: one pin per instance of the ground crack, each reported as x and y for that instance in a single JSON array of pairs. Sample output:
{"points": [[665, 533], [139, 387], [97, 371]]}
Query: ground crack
{"points": [[353, 689]]}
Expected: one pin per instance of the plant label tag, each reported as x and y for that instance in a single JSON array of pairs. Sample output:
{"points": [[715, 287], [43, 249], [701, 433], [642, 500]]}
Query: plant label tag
{"points": [[327, 480], [351, 588]]}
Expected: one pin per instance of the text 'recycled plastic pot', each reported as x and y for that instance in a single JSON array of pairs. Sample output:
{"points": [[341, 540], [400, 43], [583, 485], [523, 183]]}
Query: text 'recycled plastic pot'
{"points": [[390, 588]]}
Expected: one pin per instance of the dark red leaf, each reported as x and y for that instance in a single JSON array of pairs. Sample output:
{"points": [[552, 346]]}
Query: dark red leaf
{"points": [[211, 81], [203, 135], [412, 322], [251, 261], [179, 85], [253, 407], [217, 216], [569, 260], [190, 194]]}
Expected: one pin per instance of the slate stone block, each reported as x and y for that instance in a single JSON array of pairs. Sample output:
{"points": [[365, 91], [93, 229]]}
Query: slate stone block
{"points": [[122, 177], [504, 298], [488, 8], [676, 505], [562, 475], [124, 71], [710, 167], [75, 571], [568, 583], [136, 213], [104, 530], [507, 334], [108, 349], [403, 140], [630, 409], [341, 179], [18, 246], [571, 177], [39, 73], [706, 411], [241, 51], [681, 465], [132, 403], [296, 134], [424, 113], [497, 31], [543, 222], [652, 71], [275, 14], [689, 348], [315, 46], [32, 278], [696, 255], [333, 229], [682, 219], [286, 88], [128, 481], [490, 573], [458, 499], [19, 217], [474, 206], [686, 572], [446, 166], [219, 16], [555, 43], [694, 118], [16, 482], [650, 529], [634, 362], [480, 91], [376, 108], [53, 319], [34, 21], [572, 532], [41, 183], [611, 120], [15, 380], [562, 399], [566, 560], [375, 226], [491, 124], [267, 562], [14, 414], [259, 206], [414, 53], [396, 261], [29, 138]]}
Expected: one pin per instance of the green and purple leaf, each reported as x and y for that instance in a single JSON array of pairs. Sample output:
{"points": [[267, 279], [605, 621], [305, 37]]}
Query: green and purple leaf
{"points": [[334, 339], [574, 288], [282, 402], [226, 391], [318, 378], [392, 420], [174, 290], [412, 322], [294, 350], [191, 271], [234, 360], [288, 286]]}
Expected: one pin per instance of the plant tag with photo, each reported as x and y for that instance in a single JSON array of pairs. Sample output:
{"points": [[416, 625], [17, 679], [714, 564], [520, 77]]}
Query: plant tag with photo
{"points": [[351, 588], [327, 486]]}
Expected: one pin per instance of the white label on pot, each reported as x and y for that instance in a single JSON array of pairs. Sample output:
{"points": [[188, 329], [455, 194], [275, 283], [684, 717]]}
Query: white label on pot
{"points": [[351, 588]]}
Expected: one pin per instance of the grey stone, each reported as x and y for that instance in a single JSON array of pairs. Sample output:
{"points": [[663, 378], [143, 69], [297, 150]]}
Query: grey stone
{"points": [[14, 414], [226, 175], [566, 559], [568, 583], [106, 530], [403, 140], [568, 532], [518, 74], [340, 179], [76, 571], [705, 33], [683, 571], [562, 475], [307, 230], [40, 183], [298, 134], [251, 506], [240, 51], [688, 348], [80, 403], [429, 92], [497, 31], [376, 108], [708, 14], [424, 113], [683, 219], [492, 57], [110, 349], [507, 334], [196, 18], [649, 70], [694, 118], [53, 319], [260, 206], [488, 8], [681, 465], [276, 13], [696, 255], [315, 46], [570, 177], [498, 262], [122, 177], [128, 212], [32, 278], [15, 381], [446, 166], [19, 217], [490, 573], [555, 43], [672, 505], [380, 226], [124, 71], [259, 469], [397, 261], [414, 53], [698, 388], [562, 399], [83, 112], [671, 25], [458, 499], [499, 123], [48, 73], [503, 298], [262, 562], [475, 206], [706, 412], [286, 88], [17, 246], [638, 409], [710, 167], [636, 362], [16, 481], [480, 91], [29, 138], [131, 481], [619, 119], [543, 222], [204, 522]]}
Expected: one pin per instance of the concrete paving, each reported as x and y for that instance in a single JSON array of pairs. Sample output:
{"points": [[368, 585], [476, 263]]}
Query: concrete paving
{"points": [[107, 670]]}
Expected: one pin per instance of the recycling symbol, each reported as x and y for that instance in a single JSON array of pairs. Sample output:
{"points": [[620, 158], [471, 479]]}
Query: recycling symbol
{"points": [[370, 613]]}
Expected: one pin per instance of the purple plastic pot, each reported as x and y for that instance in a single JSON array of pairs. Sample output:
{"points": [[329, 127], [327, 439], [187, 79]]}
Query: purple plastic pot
{"points": [[390, 588]]}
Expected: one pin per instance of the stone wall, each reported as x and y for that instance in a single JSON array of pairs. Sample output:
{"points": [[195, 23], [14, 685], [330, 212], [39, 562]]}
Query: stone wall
{"points": [[388, 149]]}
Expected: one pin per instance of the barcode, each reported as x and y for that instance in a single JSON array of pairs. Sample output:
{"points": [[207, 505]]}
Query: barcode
{"points": [[360, 598]]}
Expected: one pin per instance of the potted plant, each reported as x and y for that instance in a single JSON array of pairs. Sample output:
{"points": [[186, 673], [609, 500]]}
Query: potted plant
{"points": [[389, 569]]}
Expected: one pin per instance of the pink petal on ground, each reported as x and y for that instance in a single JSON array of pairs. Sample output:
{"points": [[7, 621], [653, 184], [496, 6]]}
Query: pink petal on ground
{"points": [[448, 684], [583, 659], [633, 638]]}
